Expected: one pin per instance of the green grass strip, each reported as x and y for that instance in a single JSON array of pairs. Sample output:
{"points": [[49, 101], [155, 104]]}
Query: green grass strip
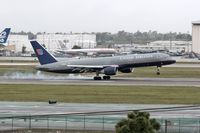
{"points": [[101, 94]]}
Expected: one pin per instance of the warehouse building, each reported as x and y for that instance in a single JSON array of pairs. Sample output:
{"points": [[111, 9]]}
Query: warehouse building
{"points": [[196, 37], [173, 46], [17, 42]]}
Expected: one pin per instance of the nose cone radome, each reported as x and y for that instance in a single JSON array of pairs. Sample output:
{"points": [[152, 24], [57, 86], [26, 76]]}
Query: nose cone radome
{"points": [[172, 61], [169, 60]]}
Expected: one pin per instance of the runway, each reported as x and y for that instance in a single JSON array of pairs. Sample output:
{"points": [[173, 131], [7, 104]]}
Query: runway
{"points": [[119, 81]]}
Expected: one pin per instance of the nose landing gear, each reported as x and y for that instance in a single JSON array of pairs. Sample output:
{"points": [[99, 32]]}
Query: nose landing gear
{"points": [[158, 70]]}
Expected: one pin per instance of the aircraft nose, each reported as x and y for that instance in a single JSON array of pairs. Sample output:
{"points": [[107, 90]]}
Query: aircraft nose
{"points": [[168, 60], [171, 60]]}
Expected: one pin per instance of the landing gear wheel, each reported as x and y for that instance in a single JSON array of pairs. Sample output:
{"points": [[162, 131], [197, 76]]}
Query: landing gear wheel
{"points": [[97, 78], [158, 73], [158, 70], [106, 77]]}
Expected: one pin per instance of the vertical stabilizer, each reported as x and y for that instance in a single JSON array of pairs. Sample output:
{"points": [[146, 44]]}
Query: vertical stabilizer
{"points": [[43, 55], [4, 35]]}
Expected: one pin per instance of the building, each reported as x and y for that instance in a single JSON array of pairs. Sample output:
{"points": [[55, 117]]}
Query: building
{"points": [[17, 42], [174, 46], [67, 41], [196, 37]]}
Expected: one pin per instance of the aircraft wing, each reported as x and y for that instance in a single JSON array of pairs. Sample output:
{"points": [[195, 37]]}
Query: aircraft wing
{"points": [[90, 68], [94, 66], [86, 66]]}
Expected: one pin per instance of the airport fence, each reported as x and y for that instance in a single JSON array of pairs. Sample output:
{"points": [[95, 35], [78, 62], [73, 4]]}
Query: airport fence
{"points": [[86, 123]]}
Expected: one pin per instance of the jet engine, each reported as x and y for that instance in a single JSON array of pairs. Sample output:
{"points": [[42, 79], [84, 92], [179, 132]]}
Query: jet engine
{"points": [[109, 71], [126, 70]]}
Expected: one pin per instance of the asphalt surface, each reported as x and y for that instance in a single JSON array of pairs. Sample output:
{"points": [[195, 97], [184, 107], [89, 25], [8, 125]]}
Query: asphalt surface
{"points": [[43, 108], [114, 81], [77, 122]]}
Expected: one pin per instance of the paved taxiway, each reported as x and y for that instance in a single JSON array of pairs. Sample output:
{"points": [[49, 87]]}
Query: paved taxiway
{"points": [[114, 81], [8, 111], [42, 108]]}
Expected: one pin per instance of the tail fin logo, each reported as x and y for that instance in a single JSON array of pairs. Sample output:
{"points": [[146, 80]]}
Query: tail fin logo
{"points": [[1, 40], [39, 51], [2, 36]]}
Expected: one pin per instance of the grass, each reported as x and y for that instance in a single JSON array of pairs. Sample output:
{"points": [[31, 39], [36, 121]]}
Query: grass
{"points": [[101, 94], [18, 61], [197, 62], [6, 69]]}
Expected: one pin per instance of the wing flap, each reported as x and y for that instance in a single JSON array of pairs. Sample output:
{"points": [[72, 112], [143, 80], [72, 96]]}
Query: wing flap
{"points": [[86, 66], [92, 66]]}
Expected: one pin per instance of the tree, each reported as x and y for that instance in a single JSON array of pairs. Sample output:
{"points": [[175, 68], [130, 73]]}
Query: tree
{"points": [[123, 37], [137, 122], [31, 36]]}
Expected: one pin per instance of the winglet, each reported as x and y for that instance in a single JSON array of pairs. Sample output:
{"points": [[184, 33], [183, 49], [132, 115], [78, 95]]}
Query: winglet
{"points": [[43, 55], [4, 35]]}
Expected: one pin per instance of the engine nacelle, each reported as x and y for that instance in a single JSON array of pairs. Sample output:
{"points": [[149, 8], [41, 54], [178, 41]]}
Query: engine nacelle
{"points": [[109, 71], [126, 70]]}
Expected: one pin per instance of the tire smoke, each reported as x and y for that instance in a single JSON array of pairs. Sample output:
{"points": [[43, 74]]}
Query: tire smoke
{"points": [[41, 76]]}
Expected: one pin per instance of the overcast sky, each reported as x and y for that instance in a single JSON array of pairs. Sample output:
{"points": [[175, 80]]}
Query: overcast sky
{"points": [[99, 15]]}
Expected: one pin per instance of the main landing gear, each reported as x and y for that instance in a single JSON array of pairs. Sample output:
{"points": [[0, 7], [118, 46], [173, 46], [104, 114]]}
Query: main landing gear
{"points": [[97, 77], [104, 78], [158, 70]]}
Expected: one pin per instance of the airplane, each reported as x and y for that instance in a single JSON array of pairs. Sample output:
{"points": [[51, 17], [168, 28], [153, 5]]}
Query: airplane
{"points": [[4, 35], [108, 66], [93, 51], [85, 52]]}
